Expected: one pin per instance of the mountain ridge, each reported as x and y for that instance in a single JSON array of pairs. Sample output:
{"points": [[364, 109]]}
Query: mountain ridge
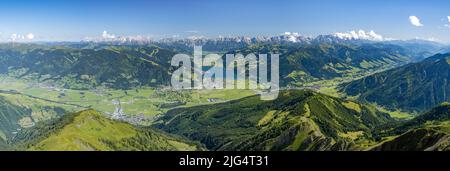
{"points": [[89, 130], [413, 87], [297, 120], [427, 132]]}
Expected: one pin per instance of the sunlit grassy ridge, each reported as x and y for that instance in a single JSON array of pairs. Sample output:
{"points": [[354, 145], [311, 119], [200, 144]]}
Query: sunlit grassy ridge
{"points": [[89, 130], [297, 120]]}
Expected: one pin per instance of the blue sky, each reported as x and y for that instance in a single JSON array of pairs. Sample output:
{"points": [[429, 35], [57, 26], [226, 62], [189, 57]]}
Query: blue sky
{"points": [[63, 20]]}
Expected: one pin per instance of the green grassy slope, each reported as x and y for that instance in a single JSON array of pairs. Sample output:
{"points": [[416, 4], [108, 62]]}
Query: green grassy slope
{"points": [[111, 66], [3, 145], [434, 117], [297, 120], [309, 63], [421, 139], [18, 112], [10, 115], [430, 131], [414, 87], [89, 130]]}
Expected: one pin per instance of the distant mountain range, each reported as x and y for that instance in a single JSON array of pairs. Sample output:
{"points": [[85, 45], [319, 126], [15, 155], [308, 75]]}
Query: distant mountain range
{"points": [[235, 42], [116, 65], [313, 62], [81, 68]]}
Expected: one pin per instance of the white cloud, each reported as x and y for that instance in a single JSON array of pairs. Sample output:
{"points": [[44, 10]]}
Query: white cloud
{"points": [[361, 34], [415, 21], [292, 37], [447, 25], [195, 37], [433, 39], [19, 37], [192, 31], [106, 35], [13, 37], [291, 34], [30, 36]]}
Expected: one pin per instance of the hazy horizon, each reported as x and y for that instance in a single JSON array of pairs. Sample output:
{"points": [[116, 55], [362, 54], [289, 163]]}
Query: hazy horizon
{"points": [[56, 21]]}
